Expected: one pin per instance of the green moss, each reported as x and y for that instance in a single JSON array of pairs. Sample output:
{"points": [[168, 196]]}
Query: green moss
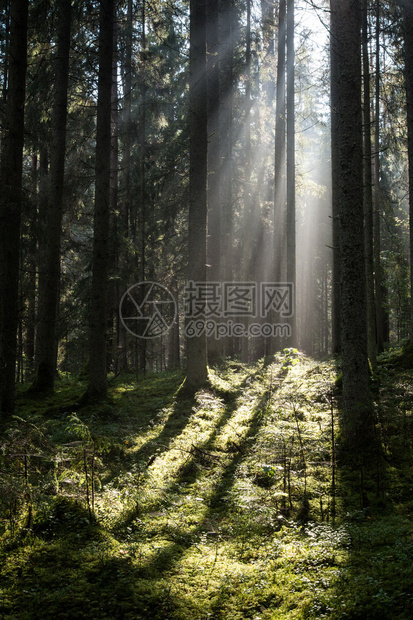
{"points": [[218, 505], [398, 358]]}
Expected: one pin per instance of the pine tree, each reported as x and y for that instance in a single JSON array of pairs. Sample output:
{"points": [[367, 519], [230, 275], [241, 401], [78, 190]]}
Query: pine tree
{"points": [[197, 372], [357, 422], [368, 196], [49, 271], [408, 56], [97, 385], [11, 201], [291, 207]]}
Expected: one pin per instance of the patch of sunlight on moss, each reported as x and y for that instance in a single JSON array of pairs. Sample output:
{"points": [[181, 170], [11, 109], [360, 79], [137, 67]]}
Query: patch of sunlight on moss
{"points": [[230, 377], [237, 427], [120, 390], [196, 432], [148, 435]]}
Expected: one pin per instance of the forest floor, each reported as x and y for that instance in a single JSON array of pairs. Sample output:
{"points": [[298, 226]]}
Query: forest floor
{"points": [[229, 505]]}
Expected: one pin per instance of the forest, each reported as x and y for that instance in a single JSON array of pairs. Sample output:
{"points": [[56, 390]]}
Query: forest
{"points": [[206, 309]]}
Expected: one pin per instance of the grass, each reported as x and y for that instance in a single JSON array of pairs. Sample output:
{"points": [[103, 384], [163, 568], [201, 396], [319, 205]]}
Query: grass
{"points": [[220, 506]]}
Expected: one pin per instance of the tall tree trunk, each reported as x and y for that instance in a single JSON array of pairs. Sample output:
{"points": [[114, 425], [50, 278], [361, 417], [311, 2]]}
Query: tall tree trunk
{"points": [[291, 250], [128, 219], [144, 224], [267, 13], [115, 220], [378, 279], [11, 167], [49, 268], [214, 200], [174, 361], [32, 276], [279, 158], [226, 56], [247, 241], [197, 227], [357, 421], [368, 198], [129, 215], [408, 58], [98, 309], [335, 191], [43, 216], [5, 53]]}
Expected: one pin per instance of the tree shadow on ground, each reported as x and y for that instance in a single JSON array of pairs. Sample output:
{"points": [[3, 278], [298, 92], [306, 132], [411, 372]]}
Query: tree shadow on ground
{"points": [[73, 563], [216, 502]]}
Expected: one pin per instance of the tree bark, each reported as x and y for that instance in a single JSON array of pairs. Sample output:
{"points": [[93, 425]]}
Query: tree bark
{"points": [[145, 213], [291, 250], [129, 218], [357, 421], [128, 221], [49, 268], [214, 248], [335, 191], [279, 158], [378, 279], [267, 13], [97, 386], [11, 167], [174, 360], [5, 53], [226, 56], [248, 241], [32, 275], [115, 218], [196, 348], [368, 198], [408, 59]]}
